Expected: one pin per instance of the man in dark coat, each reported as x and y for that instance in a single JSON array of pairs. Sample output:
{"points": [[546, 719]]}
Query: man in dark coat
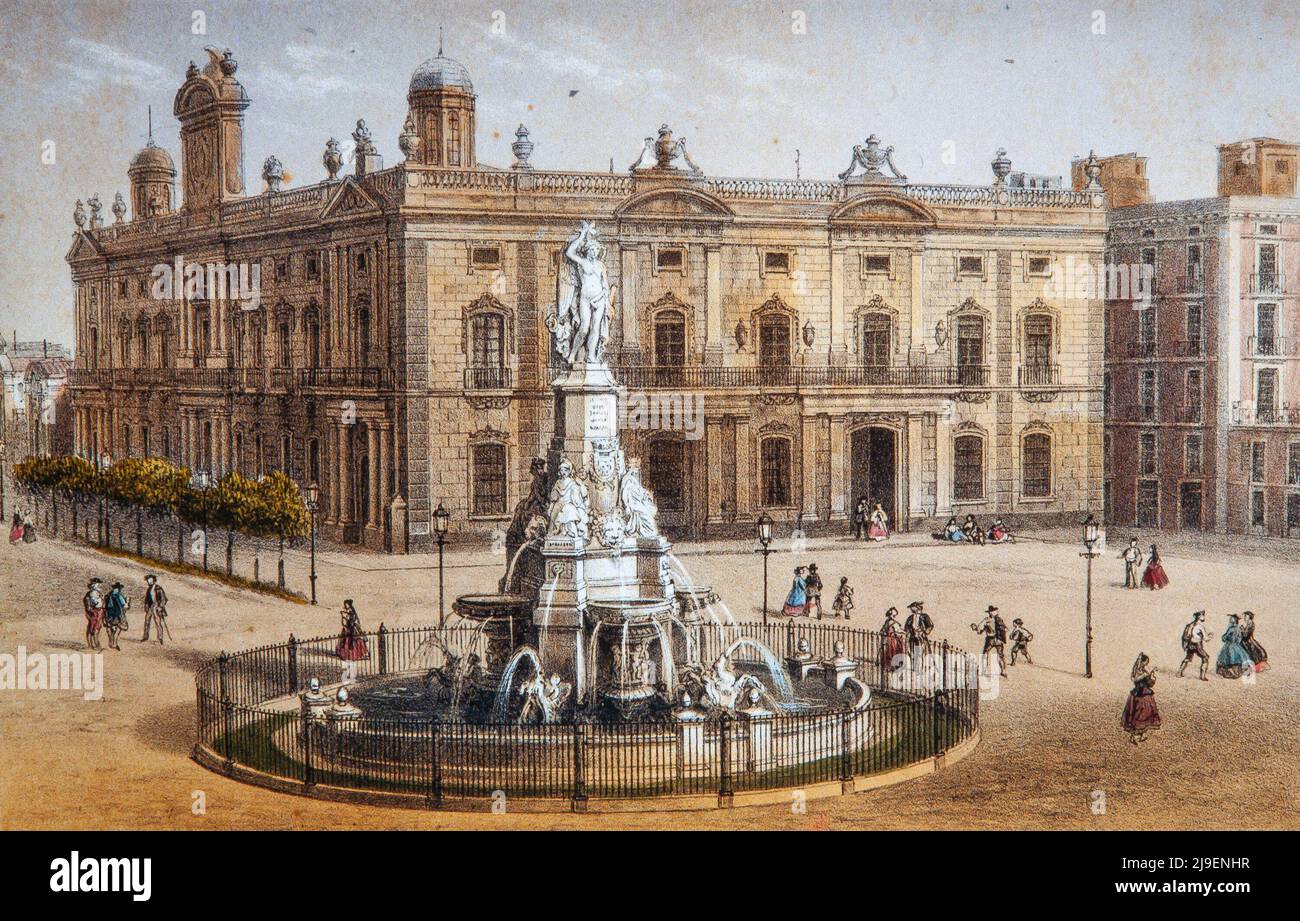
{"points": [[155, 606], [994, 630], [917, 627]]}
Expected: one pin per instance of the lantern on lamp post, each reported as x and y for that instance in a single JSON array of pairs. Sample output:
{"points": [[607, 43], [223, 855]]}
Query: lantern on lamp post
{"points": [[765, 548], [441, 518]]}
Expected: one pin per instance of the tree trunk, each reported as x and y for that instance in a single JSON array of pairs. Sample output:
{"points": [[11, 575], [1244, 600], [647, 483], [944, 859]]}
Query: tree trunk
{"points": [[180, 541], [54, 503], [280, 565], [75, 506], [139, 532], [230, 552]]}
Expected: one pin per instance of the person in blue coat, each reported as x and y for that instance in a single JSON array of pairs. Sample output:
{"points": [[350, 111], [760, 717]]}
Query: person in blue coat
{"points": [[1233, 661], [796, 603], [115, 608]]}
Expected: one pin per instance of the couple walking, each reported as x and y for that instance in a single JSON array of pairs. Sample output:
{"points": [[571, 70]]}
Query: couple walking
{"points": [[871, 521], [1153, 577], [805, 594], [1239, 655], [22, 529], [107, 611]]}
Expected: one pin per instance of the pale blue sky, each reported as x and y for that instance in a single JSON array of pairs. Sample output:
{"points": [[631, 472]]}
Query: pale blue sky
{"points": [[1168, 79]]}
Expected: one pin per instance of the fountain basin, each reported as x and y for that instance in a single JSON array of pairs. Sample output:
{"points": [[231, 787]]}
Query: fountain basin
{"points": [[493, 604], [617, 611]]}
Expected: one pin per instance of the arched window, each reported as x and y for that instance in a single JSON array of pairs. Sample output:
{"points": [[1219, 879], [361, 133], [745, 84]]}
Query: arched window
{"points": [[94, 347], [124, 344], [142, 336], [312, 322], [489, 478], [775, 471], [1036, 465], [284, 351], [968, 468], [774, 340], [669, 347], [487, 346]]}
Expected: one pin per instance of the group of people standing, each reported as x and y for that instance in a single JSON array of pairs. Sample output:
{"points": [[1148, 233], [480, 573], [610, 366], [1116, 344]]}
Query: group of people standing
{"points": [[22, 529], [1153, 577], [106, 611], [971, 531], [870, 522], [1240, 655], [805, 596]]}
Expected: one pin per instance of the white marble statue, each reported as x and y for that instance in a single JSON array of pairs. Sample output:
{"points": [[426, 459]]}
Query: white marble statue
{"points": [[569, 509], [639, 510], [581, 322], [724, 688], [543, 699]]}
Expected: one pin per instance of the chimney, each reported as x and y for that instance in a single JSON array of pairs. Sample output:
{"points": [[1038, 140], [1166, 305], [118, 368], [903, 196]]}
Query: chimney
{"points": [[45, 348], [1123, 177], [1258, 166]]}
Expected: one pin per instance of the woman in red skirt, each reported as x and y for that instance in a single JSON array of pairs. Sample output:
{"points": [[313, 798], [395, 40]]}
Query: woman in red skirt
{"points": [[1154, 577], [1140, 713], [352, 644], [891, 643]]}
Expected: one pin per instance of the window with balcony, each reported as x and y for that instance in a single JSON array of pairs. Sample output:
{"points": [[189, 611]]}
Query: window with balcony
{"points": [[1195, 330], [877, 335], [968, 468], [489, 477], [1266, 332], [487, 350], [284, 351], [1036, 466], [774, 344], [1266, 394], [1038, 348], [363, 337], [1267, 279], [1147, 394], [970, 348], [669, 346], [1147, 328], [775, 471], [1147, 454], [1293, 464]]}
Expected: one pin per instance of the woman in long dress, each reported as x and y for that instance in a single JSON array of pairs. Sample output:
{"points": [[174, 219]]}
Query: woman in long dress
{"points": [[29, 530], [352, 643], [797, 601], [998, 533], [1141, 715], [891, 643], [1233, 661], [878, 526], [952, 532], [1154, 577], [1257, 653], [16, 529]]}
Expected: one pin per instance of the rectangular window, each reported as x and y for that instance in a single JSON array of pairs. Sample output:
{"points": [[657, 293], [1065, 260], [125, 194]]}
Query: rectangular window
{"points": [[876, 264], [1293, 464], [1194, 230], [1195, 333], [489, 479], [1266, 342], [1147, 454], [485, 257], [1036, 475], [670, 259], [968, 468], [776, 261], [1192, 449], [1194, 394], [1293, 514], [1038, 340], [281, 270], [1257, 461], [1266, 395], [1148, 503], [970, 265], [313, 266], [1147, 394], [1257, 509], [775, 459], [876, 347], [285, 350], [286, 454], [1040, 265]]}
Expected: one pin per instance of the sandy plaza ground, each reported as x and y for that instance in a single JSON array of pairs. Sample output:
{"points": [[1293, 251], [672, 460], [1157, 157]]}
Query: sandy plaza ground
{"points": [[1052, 756]]}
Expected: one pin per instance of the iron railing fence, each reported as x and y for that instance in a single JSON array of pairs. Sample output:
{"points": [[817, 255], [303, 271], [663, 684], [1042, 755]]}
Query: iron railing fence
{"points": [[246, 716]]}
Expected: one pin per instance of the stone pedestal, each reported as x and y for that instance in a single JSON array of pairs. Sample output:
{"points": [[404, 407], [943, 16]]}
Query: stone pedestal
{"points": [[560, 615], [758, 757], [586, 415]]}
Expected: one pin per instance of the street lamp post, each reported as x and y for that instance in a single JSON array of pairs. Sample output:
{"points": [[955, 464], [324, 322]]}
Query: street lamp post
{"points": [[313, 503], [1090, 537], [440, 519], [765, 548]]}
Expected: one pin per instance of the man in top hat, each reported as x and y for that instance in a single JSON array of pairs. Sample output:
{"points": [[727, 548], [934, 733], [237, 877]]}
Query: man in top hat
{"points": [[1132, 557], [1020, 640], [813, 585], [155, 606], [115, 608], [917, 627], [994, 630], [1193, 641]]}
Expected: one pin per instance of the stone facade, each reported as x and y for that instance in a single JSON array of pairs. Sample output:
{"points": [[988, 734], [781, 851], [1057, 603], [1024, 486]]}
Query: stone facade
{"points": [[829, 340]]}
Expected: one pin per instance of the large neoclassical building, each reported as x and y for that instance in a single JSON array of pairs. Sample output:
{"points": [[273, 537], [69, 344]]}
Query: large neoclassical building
{"points": [[822, 340]]}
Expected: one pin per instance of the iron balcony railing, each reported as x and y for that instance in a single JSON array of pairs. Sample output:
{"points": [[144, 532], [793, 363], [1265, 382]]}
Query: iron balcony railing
{"points": [[488, 378], [1249, 414], [1273, 346], [205, 377], [366, 378], [1193, 282], [708, 377], [1267, 283], [1040, 375]]}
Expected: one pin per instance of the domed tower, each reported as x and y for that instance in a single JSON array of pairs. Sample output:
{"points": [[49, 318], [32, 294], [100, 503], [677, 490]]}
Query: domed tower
{"points": [[153, 178], [441, 99], [210, 106]]}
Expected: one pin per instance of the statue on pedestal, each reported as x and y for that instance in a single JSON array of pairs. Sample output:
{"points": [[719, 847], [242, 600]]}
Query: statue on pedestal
{"points": [[581, 319], [639, 511], [569, 511]]}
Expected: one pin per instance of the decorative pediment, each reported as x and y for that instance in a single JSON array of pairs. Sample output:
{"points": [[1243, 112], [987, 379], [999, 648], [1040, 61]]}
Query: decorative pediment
{"points": [[674, 202], [84, 246], [351, 199], [877, 208]]}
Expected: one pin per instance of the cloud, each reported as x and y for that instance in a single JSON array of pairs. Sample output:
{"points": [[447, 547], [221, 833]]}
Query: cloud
{"points": [[94, 62]]}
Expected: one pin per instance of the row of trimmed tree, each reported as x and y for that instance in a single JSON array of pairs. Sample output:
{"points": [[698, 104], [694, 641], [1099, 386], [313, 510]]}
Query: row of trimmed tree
{"points": [[270, 507]]}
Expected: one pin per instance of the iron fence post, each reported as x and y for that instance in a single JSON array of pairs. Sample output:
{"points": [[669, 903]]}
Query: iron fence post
{"points": [[934, 720], [293, 664], [435, 760], [308, 769], [383, 651], [579, 802], [846, 743], [726, 793]]}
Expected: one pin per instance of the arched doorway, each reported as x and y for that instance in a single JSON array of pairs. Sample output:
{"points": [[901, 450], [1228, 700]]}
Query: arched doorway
{"points": [[874, 469]]}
